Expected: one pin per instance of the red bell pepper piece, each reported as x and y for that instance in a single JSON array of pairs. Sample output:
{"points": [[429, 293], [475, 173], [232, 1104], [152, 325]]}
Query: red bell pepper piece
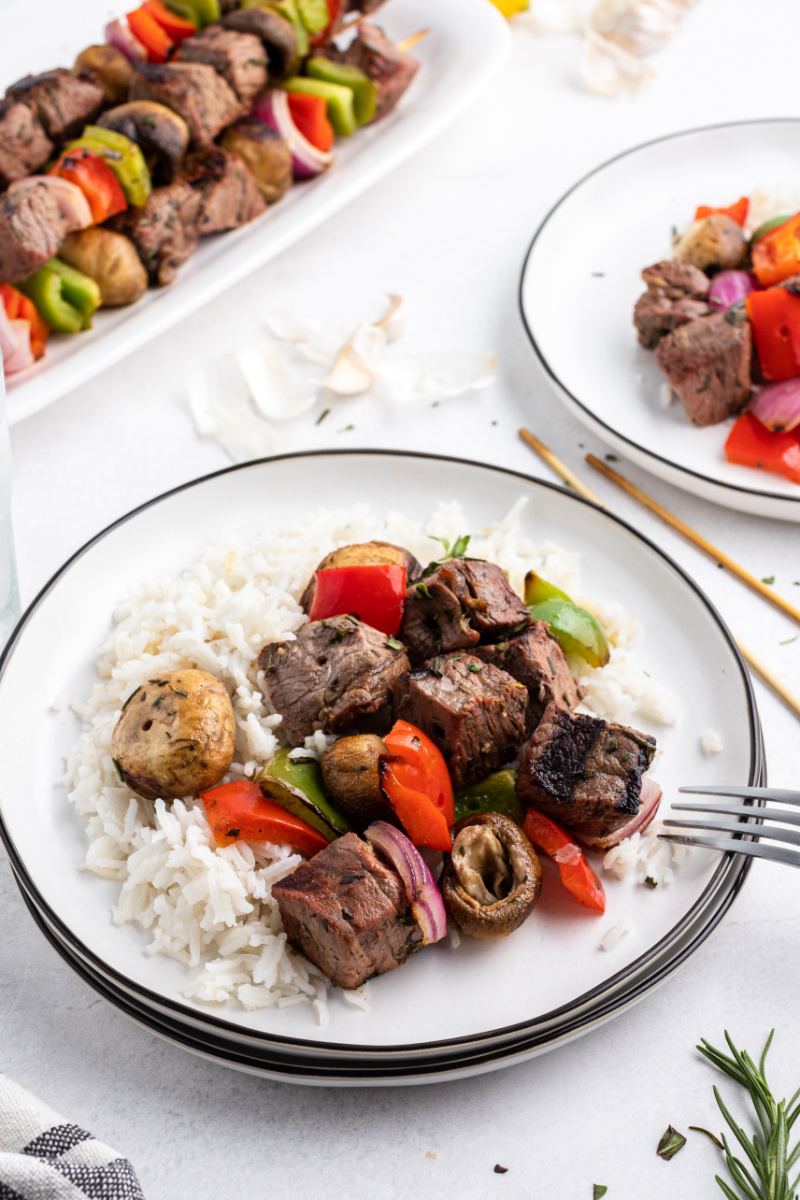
{"points": [[751, 444], [776, 255], [19, 307], [320, 39], [156, 41], [375, 593], [310, 115], [241, 811], [775, 319], [737, 212], [577, 876], [96, 180], [415, 748], [175, 27]]}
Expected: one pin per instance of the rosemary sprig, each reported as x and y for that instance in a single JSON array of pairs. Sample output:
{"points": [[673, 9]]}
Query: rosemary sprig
{"points": [[767, 1177]]}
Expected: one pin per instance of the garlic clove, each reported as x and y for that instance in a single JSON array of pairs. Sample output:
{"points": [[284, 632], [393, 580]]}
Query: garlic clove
{"points": [[609, 70], [393, 322], [357, 362], [638, 26]]}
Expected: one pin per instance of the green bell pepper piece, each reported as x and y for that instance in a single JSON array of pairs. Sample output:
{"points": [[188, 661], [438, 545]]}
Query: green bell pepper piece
{"points": [[495, 793], [575, 629], [289, 10], [65, 298], [364, 91], [538, 589], [341, 113], [315, 15], [768, 226], [296, 783], [199, 12], [124, 158]]}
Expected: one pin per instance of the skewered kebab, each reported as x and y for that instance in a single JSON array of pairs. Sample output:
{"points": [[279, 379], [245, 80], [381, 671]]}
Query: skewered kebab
{"points": [[128, 141]]}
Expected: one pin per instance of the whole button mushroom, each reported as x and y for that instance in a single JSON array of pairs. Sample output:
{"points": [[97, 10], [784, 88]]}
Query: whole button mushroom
{"points": [[175, 736], [491, 878]]}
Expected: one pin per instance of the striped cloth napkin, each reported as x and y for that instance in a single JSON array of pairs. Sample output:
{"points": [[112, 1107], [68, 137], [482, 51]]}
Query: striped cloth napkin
{"points": [[43, 1157]]}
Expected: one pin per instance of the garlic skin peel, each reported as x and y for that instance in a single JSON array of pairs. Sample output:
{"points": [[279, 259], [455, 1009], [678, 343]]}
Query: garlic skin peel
{"points": [[638, 26], [609, 70]]}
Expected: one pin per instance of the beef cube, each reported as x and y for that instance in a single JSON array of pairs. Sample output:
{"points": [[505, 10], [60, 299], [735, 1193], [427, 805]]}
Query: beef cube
{"points": [[194, 91], [335, 673], [32, 227], [676, 280], [655, 316], [390, 69], [463, 602], [535, 659], [64, 102], [708, 364], [165, 231], [229, 195], [584, 772], [473, 711], [275, 33], [24, 145], [239, 58], [348, 913]]}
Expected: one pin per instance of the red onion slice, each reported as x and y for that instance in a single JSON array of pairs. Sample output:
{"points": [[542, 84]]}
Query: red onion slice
{"points": [[272, 107], [778, 405], [424, 896], [119, 35], [8, 338], [70, 199], [648, 807], [22, 358], [729, 287]]}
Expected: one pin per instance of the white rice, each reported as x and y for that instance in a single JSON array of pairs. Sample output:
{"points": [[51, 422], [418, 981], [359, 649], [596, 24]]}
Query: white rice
{"points": [[711, 743], [646, 858], [212, 908], [623, 926]]}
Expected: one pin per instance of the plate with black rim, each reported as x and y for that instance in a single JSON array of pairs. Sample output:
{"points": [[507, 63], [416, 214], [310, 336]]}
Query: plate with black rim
{"points": [[446, 1002], [581, 279]]}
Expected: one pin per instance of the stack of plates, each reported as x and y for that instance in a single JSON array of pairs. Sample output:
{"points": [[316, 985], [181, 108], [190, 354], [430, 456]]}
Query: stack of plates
{"points": [[449, 1011]]}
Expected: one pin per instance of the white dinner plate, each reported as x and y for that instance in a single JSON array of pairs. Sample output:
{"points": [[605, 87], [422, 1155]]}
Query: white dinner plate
{"points": [[468, 42], [582, 277], [445, 1002]]}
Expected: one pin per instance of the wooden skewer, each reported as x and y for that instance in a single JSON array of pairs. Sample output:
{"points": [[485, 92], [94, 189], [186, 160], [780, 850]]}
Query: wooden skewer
{"points": [[767, 593], [569, 477], [559, 467], [408, 42]]}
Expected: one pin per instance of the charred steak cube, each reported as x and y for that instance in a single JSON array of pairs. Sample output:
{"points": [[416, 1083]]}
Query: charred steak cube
{"points": [[239, 58], [24, 145], [229, 195], [535, 659], [348, 913], [276, 34], [473, 711], [194, 91], [32, 227], [676, 294], [390, 69], [64, 102], [333, 674], [708, 364], [165, 231], [676, 280], [584, 772], [463, 602]]}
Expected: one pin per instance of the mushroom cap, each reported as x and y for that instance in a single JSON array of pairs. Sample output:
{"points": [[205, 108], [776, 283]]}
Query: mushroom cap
{"points": [[175, 736], [351, 773], [157, 129], [714, 242], [491, 878]]}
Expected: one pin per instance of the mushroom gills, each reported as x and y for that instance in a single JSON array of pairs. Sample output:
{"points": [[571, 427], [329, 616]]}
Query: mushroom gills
{"points": [[482, 866]]}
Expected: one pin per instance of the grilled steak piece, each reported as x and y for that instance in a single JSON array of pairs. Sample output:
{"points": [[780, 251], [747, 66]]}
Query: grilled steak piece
{"points": [[334, 673], [32, 227], [708, 364], [239, 58], [194, 91], [24, 145], [473, 711], [64, 102], [276, 34], [348, 912], [676, 294], [463, 602], [535, 659], [390, 69], [229, 195], [165, 231], [583, 772]]}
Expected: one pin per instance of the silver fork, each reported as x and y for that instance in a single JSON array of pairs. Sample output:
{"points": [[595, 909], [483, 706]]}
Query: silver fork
{"points": [[748, 826]]}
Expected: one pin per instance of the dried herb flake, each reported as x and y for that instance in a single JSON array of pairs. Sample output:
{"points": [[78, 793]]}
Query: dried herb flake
{"points": [[768, 579], [393, 644], [127, 702], [671, 1142], [598, 1191]]}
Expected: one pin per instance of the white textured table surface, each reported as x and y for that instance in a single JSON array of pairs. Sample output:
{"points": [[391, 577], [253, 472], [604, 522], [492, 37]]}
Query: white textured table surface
{"points": [[449, 232]]}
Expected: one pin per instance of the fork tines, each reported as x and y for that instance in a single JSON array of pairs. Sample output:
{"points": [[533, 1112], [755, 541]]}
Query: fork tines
{"points": [[747, 829]]}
